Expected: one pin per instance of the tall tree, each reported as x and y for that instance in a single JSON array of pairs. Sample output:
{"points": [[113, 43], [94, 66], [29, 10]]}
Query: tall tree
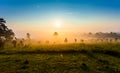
{"points": [[28, 36], [65, 40], [28, 39], [75, 40], [6, 34], [55, 34], [4, 31]]}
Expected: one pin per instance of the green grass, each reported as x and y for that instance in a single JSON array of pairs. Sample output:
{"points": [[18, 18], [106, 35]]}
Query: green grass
{"points": [[62, 58]]}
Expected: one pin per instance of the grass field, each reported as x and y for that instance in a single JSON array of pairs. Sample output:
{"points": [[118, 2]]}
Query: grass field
{"points": [[64, 58]]}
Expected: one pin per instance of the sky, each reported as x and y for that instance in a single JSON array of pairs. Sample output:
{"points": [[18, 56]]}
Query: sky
{"points": [[39, 17]]}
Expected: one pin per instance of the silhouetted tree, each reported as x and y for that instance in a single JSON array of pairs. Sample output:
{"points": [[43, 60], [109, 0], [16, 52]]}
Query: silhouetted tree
{"points": [[66, 40], [111, 40], [28, 39], [90, 34], [5, 33], [9, 35], [55, 34], [82, 41], [75, 40], [14, 42], [21, 43], [28, 36], [116, 39], [1, 43]]}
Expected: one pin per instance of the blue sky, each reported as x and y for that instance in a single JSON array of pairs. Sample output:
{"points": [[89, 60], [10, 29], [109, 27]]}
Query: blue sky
{"points": [[72, 13], [11, 8]]}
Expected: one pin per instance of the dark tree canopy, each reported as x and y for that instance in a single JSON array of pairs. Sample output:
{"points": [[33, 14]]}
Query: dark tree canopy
{"points": [[66, 40], [55, 34], [5, 32], [28, 35]]}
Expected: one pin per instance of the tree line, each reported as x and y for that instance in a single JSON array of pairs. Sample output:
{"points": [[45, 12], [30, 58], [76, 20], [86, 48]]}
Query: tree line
{"points": [[7, 35]]}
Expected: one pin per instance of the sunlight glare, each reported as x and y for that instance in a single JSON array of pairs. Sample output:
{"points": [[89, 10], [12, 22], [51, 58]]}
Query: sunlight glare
{"points": [[58, 23]]}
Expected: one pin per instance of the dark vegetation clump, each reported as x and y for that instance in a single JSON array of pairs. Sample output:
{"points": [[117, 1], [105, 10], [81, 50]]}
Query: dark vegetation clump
{"points": [[84, 67], [113, 53], [26, 62], [24, 67]]}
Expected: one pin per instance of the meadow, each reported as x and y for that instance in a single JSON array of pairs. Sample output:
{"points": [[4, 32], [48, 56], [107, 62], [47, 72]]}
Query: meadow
{"points": [[61, 58]]}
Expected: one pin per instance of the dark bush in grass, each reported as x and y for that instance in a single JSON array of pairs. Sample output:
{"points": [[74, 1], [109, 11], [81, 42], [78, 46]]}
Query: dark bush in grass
{"points": [[26, 62], [84, 67], [112, 53]]}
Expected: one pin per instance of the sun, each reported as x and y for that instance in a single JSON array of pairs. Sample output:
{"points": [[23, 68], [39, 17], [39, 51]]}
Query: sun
{"points": [[58, 23]]}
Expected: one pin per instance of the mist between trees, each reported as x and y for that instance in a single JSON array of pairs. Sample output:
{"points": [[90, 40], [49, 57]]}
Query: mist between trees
{"points": [[9, 39]]}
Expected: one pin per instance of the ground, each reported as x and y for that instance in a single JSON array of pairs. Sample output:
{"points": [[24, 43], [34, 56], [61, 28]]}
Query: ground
{"points": [[70, 58]]}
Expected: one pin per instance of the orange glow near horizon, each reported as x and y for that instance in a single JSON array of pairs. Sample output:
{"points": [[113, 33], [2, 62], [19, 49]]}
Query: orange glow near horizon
{"points": [[65, 28]]}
